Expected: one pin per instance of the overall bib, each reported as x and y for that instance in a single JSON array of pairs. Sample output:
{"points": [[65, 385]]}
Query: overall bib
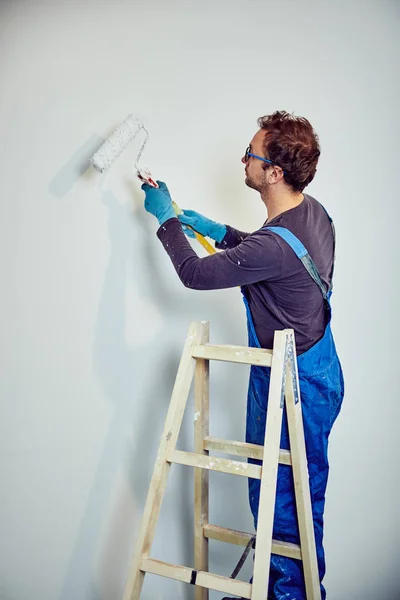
{"points": [[322, 390]]}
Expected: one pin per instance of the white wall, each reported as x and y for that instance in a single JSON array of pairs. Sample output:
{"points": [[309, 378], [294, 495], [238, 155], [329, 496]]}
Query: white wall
{"points": [[93, 318]]}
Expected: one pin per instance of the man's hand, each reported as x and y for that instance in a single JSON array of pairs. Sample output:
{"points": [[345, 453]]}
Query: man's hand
{"points": [[208, 228], [158, 202]]}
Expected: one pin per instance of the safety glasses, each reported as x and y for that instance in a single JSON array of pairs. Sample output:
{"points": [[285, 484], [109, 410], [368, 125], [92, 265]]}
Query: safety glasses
{"points": [[247, 154]]}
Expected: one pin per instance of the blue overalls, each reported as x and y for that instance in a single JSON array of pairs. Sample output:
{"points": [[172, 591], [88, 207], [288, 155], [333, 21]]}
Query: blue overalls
{"points": [[322, 390]]}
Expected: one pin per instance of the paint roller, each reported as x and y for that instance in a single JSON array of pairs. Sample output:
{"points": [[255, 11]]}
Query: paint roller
{"points": [[116, 143]]}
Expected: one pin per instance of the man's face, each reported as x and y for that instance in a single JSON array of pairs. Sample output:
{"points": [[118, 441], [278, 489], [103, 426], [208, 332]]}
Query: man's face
{"points": [[255, 173]]}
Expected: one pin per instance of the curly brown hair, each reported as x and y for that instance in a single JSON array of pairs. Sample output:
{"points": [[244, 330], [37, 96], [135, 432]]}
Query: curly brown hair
{"points": [[291, 143]]}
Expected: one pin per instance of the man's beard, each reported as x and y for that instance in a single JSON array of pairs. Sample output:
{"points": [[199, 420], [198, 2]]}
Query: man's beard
{"points": [[254, 185]]}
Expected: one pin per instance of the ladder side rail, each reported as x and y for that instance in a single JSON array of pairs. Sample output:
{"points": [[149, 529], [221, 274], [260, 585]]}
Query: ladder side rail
{"points": [[300, 474], [266, 510], [201, 476], [168, 442]]}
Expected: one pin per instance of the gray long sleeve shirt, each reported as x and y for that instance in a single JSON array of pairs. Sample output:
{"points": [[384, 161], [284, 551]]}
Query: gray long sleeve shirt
{"points": [[280, 292]]}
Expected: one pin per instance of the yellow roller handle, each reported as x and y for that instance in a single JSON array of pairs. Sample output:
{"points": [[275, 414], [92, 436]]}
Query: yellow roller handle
{"points": [[200, 238]]}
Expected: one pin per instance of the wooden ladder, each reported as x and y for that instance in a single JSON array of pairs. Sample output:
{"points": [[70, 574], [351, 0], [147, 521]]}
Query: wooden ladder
{"points": [[284, 388]]}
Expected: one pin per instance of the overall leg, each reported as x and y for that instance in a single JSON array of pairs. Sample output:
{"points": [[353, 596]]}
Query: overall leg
{"points": [[321, 400]]}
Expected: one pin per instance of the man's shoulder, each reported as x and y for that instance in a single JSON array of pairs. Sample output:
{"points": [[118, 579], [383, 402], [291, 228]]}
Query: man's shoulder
{"points": [[263, 236], [309, 222], [316, 206]]}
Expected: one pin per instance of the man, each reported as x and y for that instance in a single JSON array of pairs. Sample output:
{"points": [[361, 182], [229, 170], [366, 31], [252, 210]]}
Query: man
{"points": [[285, 271]]}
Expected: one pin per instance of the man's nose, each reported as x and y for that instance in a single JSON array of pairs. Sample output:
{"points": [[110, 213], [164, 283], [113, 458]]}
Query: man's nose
{"points": [[244, 160]]}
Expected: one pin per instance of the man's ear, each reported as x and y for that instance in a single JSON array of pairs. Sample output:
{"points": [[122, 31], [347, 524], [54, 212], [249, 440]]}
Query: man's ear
{"points": [[277, 173], [271, 174]]}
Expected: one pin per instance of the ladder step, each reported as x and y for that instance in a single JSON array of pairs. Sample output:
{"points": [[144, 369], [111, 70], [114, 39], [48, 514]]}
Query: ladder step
{"points": [[222, 465], [235, 354], [200, 578], [243, 449], [240, 538]]}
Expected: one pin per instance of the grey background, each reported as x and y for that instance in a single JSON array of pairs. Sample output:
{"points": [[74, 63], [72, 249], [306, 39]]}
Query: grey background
{"points": [[93, 317]]}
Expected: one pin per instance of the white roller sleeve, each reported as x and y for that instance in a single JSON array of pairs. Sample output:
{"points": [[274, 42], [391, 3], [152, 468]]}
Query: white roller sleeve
{"points": [[116, 143]]}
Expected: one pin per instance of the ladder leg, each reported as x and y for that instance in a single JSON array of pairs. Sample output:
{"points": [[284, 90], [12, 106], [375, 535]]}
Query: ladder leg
{"points": [[201, 476], [262, 556], [159, 479], [300, 476]]}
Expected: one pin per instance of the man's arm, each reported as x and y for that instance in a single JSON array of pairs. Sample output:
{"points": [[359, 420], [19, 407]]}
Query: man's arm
{"points": [[224, 236], [233, 237], [255, 258]]}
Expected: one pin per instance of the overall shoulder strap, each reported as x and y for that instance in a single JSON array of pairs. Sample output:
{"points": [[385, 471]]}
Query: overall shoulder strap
{"points": [[302, 253]]}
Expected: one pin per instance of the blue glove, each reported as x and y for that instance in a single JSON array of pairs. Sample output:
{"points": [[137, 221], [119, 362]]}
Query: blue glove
{"points": [[208, 228], [158, 202]]}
